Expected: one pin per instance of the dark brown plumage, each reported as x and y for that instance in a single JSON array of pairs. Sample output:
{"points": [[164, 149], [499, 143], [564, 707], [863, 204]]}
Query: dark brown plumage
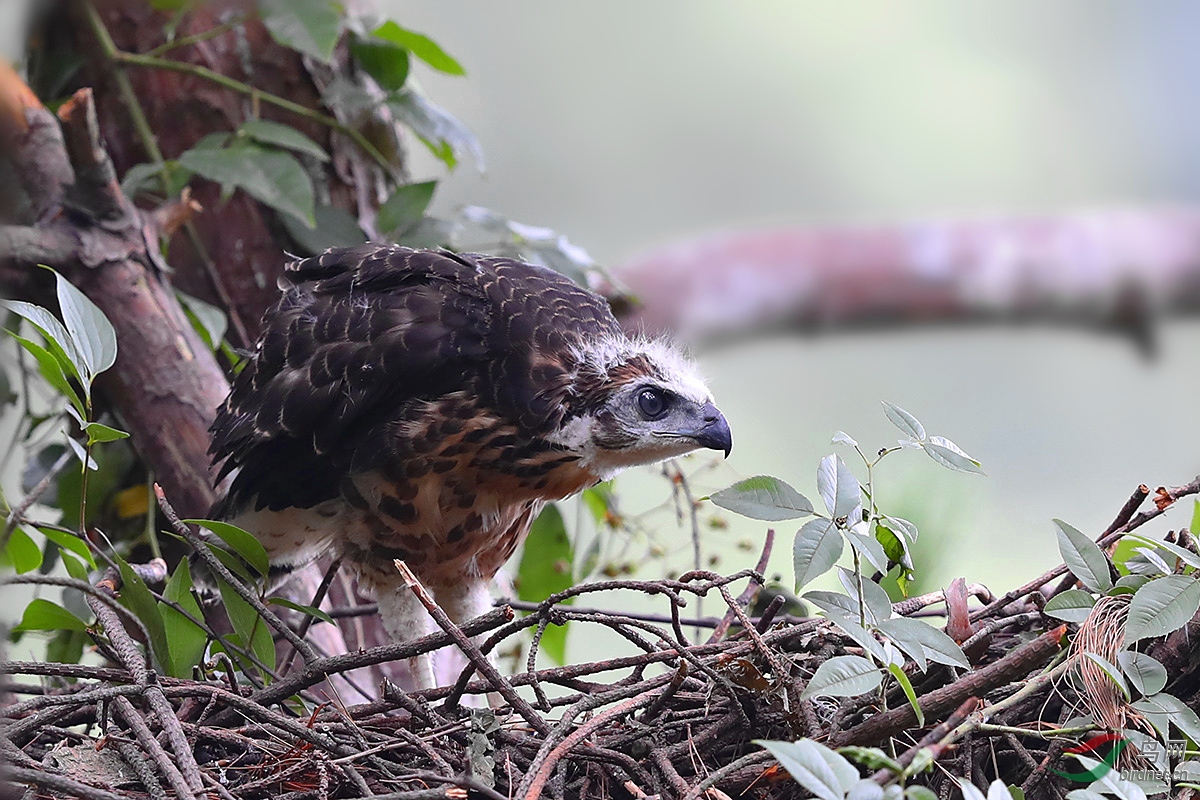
{"points": [[425, 405]]}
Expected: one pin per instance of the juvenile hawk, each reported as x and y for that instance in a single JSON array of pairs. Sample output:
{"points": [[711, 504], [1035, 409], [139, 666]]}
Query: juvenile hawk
{"points": [[425, 405]]}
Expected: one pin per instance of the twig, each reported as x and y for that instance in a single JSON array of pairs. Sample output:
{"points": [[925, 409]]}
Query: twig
{"points": [[59, 783], [322, 668], [531, 787], [18, 513], [883, 776], [943, 700], [133, 660], [318, 598], [150, 746], [137, 762], [749, 592], [999, 624], [204, 73], [472, 652]]}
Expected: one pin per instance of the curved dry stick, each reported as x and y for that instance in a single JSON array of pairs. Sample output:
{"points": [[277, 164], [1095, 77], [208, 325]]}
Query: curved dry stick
{"points": [[550, 757], [184, 778]]}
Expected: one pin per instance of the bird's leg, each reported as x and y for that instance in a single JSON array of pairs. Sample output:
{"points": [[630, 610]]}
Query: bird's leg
{"points": [[405, 619], [465, 601]]}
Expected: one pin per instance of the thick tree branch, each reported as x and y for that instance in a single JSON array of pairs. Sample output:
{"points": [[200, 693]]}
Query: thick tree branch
{"points": [[1111, 269], [166, 384]]}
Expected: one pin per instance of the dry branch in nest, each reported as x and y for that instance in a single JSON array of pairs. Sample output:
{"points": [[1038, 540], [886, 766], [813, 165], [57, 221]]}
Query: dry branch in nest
{"points": [[674, 718]]}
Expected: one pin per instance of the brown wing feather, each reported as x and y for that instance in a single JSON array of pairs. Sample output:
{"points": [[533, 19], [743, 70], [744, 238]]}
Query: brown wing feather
{"points": [[363, 336]]}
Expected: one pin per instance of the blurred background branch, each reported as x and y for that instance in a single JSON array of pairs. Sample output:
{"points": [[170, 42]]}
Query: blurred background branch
{"points": [[1116, 271]]}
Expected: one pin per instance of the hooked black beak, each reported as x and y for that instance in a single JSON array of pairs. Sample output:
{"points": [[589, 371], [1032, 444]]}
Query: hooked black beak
{"points": [[715, 433]]}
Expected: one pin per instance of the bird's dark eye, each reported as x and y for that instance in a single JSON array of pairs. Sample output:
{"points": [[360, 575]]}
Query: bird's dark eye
{"points": [[652, 403]]}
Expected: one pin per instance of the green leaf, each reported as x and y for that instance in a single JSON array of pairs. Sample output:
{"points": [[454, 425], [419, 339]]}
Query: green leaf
{"points": [[951, 456], [75, 568], [208, 320], [51, 368], [98, 433], [138, 176], [858, 633], [905, 684], [1073, 605], [67, 647], [838, 487], [135, 596], [186, 640], [420, 46], [872, 758], [918, 792], [312, 611], [815, 767], [1181, 553], [1145, 672], [242, 616], [896, 536], [1161, 606], [1084, 558], [335, 227], [1154, 559], [252, 632], [280, 135], [841, 437], [262, 644], [310, 26], [242, 542], [232, 563], [935, 644], [546, 569], [843, 676], [445, 136], [22, 552], [865, 789], [1109, 784], [1085, 794], [815, 550], [763, 497], [384, 61], [91, 332], [58, 339], [270, 176], [1195, 527], [904, 421], [404, 208], [82, 454], [879, 605], [43, 615], [1128, 584], [1111, 670], [833, 601], [868, 547]]}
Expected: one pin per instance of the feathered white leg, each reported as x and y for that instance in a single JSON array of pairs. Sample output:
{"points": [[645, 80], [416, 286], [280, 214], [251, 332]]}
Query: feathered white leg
{"points": [[405, 619], [465, 601]]}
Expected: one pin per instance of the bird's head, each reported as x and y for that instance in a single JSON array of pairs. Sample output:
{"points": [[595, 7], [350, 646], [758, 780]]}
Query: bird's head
{"points": [[639, 401]]}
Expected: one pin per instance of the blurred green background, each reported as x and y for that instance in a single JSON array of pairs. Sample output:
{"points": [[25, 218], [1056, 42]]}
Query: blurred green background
{"points": [[626, 125]]}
